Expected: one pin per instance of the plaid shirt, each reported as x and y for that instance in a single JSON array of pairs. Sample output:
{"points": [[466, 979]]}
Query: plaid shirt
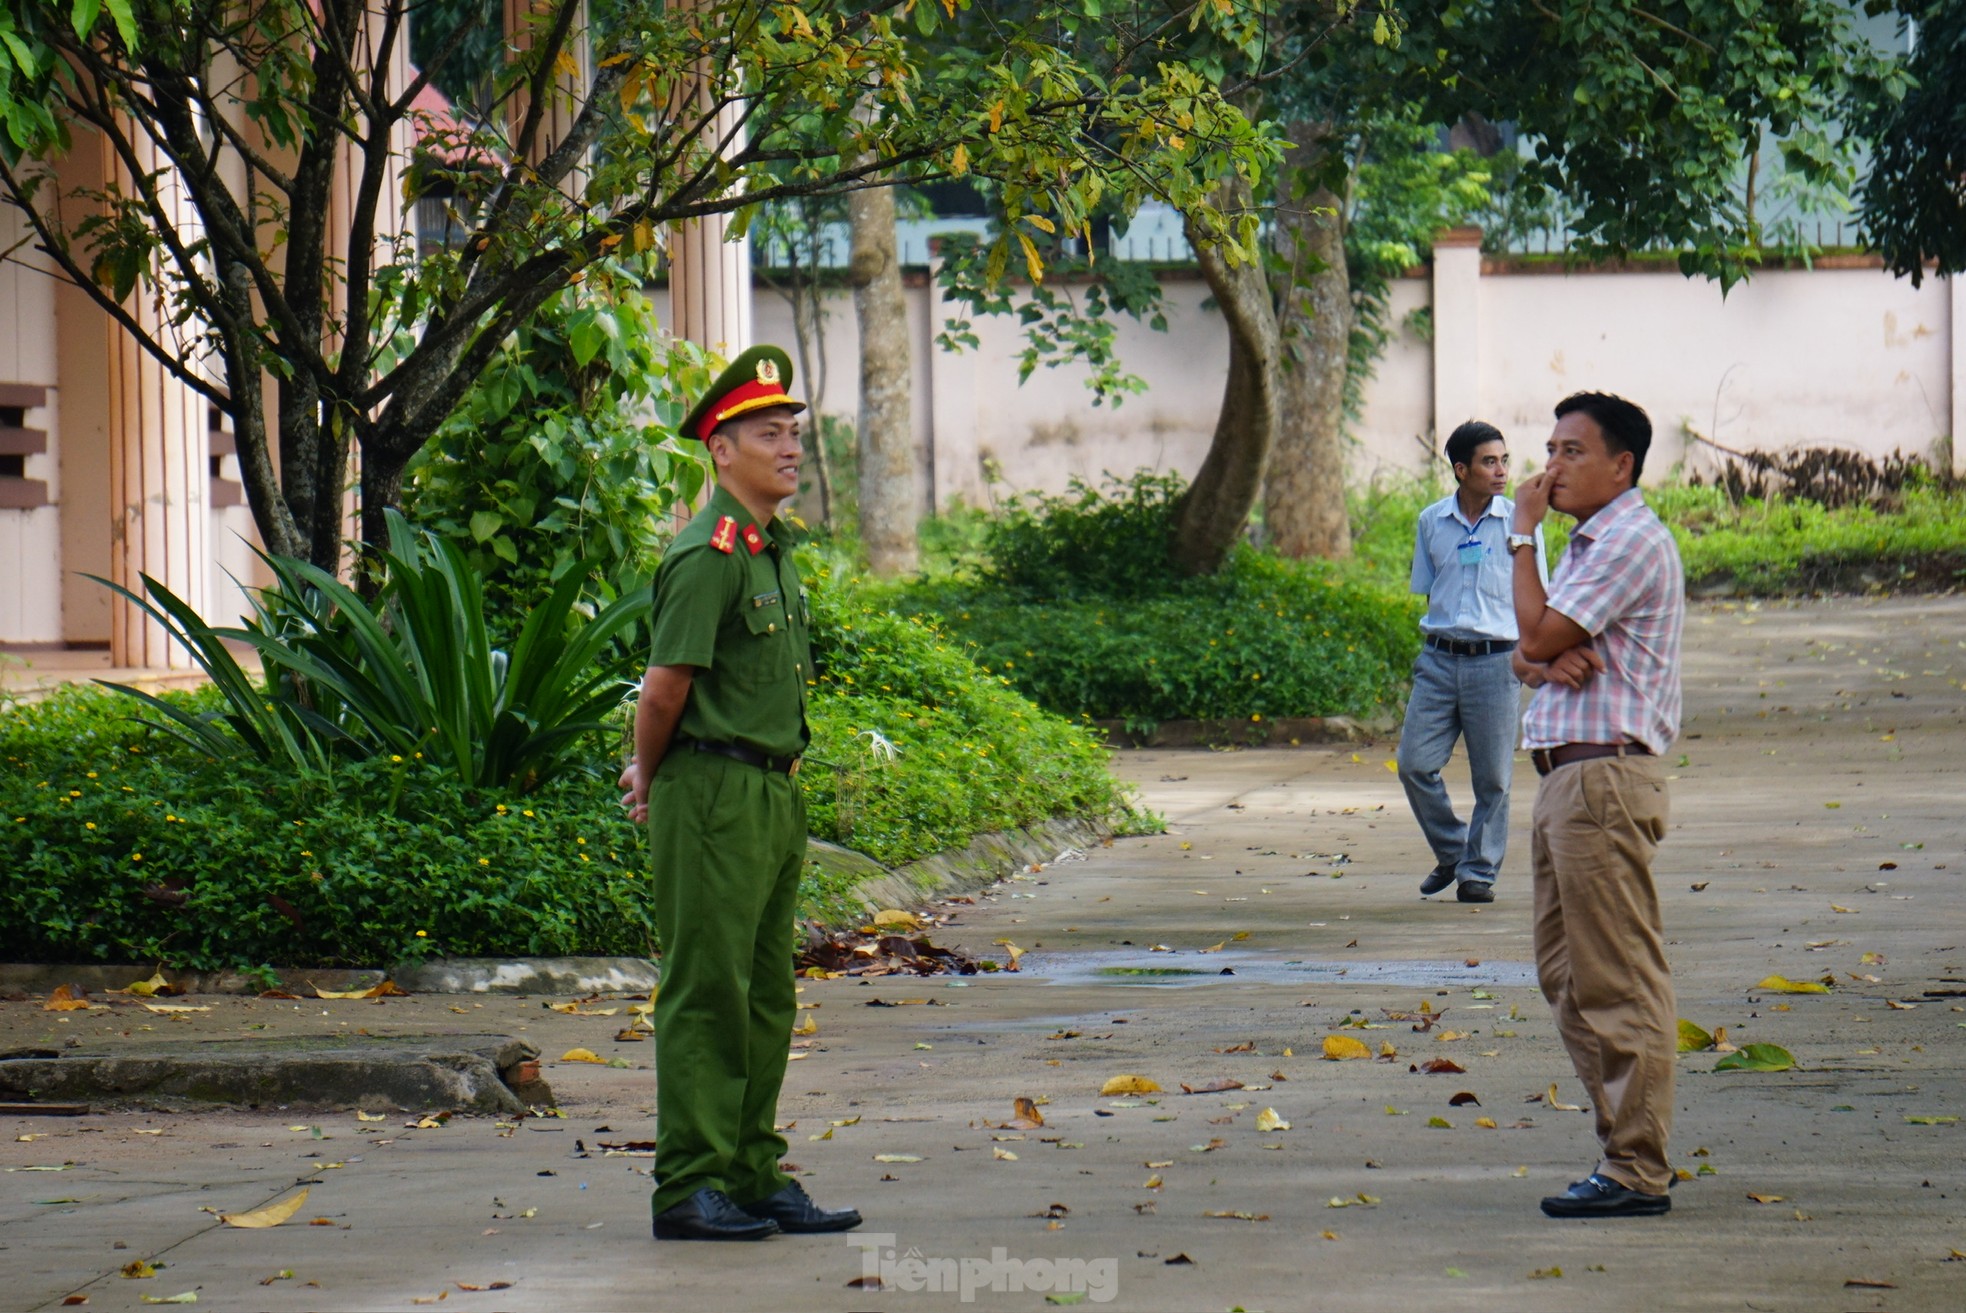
{"points": [[1622, 582]]}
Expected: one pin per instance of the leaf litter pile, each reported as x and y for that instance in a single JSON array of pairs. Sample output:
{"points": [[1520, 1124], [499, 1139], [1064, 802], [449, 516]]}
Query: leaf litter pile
{"points": [[891, 945]]}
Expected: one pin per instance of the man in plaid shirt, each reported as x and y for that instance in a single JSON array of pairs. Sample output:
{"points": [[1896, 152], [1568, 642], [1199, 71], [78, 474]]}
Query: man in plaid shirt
{"points": [[1601, 649]]}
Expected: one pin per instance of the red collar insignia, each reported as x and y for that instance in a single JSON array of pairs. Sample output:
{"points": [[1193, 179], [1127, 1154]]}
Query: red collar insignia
{"points": [[724, 536], [753, 539]]}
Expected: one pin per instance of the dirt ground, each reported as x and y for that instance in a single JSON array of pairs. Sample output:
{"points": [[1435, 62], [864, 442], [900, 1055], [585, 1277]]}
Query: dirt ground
{"points": [[1818, 831]]}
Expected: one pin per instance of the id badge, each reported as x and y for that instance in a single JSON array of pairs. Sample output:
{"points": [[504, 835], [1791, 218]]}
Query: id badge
{"points": [[1472, 551]]}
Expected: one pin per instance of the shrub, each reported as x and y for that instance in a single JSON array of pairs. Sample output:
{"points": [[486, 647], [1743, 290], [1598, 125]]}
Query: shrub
{"points": [[414, 674], [1078, 607], [916, 750], [119, 842]]}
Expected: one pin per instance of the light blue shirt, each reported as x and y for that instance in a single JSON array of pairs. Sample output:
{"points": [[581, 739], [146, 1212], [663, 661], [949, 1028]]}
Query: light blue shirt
{"points": [[1463, 570]]}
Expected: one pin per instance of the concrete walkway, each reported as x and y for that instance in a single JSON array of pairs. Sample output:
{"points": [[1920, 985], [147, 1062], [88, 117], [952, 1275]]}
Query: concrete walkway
{"points": [[1818, 831]]}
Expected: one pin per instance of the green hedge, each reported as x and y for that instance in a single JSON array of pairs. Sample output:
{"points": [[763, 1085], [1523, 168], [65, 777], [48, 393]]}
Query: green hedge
{"points": [[1771, 547], [247, 863], [1077, 607]]}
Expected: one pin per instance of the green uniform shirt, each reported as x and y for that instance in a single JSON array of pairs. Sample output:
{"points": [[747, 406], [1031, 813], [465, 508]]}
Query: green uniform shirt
{"points": [[741, 618]]}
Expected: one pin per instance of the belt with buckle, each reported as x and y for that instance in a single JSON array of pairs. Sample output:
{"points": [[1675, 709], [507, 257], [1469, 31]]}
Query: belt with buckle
{"points": [[1548, 759], [749, 756], [1470, 647]]}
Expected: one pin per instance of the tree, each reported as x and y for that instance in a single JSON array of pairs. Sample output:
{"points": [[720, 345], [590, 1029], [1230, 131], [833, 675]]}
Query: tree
{"points": [[266, 113], [889, 498], [1914, 198], [1643, 120]]}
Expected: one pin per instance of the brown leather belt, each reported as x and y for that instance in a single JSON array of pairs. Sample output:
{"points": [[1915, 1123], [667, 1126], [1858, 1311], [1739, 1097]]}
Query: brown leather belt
{"points": [[1548, 759]]}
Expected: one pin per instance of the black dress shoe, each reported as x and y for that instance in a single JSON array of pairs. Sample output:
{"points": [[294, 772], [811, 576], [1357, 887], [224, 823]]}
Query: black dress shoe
{"points": [[710, 1215], [1599, 1196], [1438, 879], [794, 1213], [1474, 891]]}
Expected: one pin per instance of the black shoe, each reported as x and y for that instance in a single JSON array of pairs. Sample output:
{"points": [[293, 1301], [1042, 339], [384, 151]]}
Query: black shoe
{"points": [[710, 1215], [1475, 891], [1598, 1196], [793, 1212], [1437, 880]]}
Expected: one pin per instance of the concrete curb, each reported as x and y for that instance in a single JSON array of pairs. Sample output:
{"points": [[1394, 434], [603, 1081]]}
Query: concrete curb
{"points": [[1293, 731], [460, 1073]]}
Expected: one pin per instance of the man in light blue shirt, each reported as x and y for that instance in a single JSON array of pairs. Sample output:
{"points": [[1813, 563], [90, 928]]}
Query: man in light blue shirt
{"points": [[1463, 686]]}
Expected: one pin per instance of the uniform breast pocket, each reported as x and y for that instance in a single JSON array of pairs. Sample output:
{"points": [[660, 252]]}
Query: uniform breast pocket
{"points": [[765, 617]]}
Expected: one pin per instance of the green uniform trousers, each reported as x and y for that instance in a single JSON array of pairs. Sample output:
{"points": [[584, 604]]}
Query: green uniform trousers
{"points": [[728, 844]]}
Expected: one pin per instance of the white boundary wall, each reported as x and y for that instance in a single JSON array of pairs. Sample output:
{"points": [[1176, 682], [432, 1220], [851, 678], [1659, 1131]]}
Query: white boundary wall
{"points": [[1842, 354]]}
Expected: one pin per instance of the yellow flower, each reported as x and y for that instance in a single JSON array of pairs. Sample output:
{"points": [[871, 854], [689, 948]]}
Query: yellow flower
{"points": [[89, 825], [484, 861], [423, 934], [526, 812], [92, 774], [395, 760], [136, 857]]}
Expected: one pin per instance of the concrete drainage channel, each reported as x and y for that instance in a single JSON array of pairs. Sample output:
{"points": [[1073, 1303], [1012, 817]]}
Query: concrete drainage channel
{"points": [[475, 1073]]}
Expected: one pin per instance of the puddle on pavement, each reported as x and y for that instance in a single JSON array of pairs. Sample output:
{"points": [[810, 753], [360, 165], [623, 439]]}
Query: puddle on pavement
{"points": [[1228, 967]]}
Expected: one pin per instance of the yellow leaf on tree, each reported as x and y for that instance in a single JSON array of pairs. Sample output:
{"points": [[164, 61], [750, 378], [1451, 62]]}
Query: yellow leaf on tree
{"points": [[271, 1215], [1268, 1120], [1129, 1085], [959, 162], [1338, 1048], [582, 1055]]}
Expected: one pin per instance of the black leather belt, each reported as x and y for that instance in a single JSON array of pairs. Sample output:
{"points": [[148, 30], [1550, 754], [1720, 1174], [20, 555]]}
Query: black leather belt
{"points": [[1471, 647], [749, 756], [1548, 759]]}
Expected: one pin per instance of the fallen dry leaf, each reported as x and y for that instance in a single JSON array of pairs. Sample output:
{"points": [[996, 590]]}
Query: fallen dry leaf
{"points": [[1217, 1086], [68, 998], [582, 1055], [808, 1026], [1341, 1048], [175, 1007], [1864, 1283], [1462, 1099], [1237, 1215], [1550, 1101], [387, 989], [897, 1157], [137, 1270], [1268, 1120], [1783, 985], [1442, 1067], [893, 916], [1129, 1085], [1764, 1198], [494, 1285], [1003, 1155], [1025, 1115], [271, 1215], [1486, 1123]]}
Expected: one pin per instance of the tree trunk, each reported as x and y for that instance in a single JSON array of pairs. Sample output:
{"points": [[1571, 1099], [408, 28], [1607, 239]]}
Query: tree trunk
{"points": [[1216, 506], [1304, 488], [889, 495]]}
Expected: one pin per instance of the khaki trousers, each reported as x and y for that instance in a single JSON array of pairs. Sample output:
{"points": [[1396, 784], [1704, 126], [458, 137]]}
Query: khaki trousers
{"points": [[1600, 954]]}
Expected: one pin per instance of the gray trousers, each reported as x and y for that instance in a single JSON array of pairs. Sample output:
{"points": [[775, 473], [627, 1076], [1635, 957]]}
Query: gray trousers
{"points": [[1475, 698]]}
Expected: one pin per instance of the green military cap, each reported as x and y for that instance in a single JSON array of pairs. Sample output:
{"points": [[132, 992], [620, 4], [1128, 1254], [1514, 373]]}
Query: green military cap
{"points": [[756, 380]]}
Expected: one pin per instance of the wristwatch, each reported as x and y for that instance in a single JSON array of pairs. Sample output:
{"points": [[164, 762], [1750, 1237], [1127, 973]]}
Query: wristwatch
{"points": [[1518, 541]]}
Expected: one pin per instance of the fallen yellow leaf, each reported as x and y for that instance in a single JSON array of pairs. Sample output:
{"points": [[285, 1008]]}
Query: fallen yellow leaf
{"points": [[1268, 1120], [1129, 1085], [176, 1007], [1486, 1123], [1338, 1048], [67, 998], [808, 1026], [151, 987], [1764, 1198], [582, 1055], [1003, 1155], [271, 1215], [1783, 985], [1549, 1101]]}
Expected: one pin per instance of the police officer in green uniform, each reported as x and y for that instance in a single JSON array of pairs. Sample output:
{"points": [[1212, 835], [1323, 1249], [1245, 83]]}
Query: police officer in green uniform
{"points": [[719, 731]]}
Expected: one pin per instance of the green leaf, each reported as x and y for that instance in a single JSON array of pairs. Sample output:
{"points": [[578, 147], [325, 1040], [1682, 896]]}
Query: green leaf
{"points": [[126, 25], [1692, 1038], [1757, 1057], [83, 16], [1930, 1121], [484, 524]]}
